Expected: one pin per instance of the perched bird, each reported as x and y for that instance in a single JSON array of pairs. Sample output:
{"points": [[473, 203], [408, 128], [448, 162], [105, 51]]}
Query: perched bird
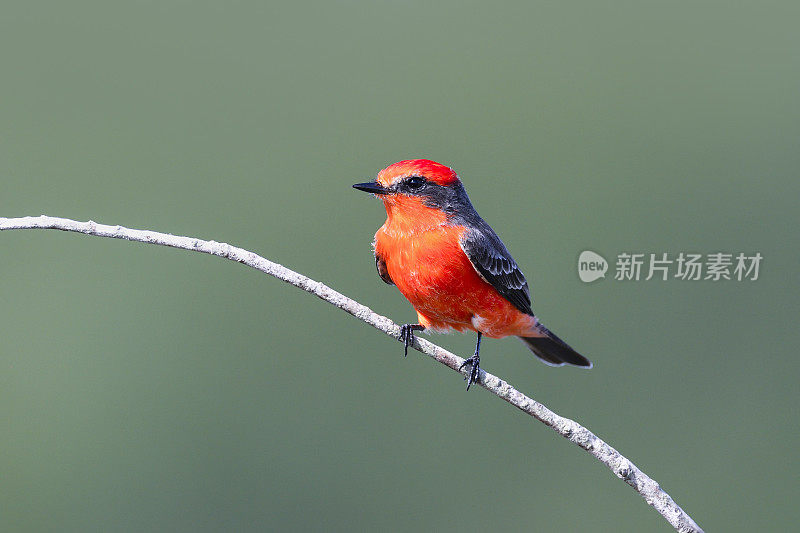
{"points": [[452, 266]]}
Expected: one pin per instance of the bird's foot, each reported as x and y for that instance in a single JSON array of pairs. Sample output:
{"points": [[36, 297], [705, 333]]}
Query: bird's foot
{"points": [[407, 335], [474, 362]]}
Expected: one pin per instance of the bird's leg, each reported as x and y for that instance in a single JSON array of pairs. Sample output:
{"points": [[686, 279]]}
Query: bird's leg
{"points": [[474, 362], [407, 335]]}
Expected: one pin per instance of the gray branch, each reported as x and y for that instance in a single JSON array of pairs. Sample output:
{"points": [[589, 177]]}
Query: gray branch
{"points": [[569, 429]]}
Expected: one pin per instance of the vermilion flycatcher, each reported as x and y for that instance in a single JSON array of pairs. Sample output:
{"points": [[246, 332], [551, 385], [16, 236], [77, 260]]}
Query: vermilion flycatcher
{"points": [[452, 266]]}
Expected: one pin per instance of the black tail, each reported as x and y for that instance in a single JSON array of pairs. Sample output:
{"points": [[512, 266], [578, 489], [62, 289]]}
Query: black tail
{"points": [[553, 350]]}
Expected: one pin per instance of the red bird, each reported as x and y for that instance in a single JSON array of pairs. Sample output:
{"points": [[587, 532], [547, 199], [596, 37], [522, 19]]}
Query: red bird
{"points": [[452, 266]]}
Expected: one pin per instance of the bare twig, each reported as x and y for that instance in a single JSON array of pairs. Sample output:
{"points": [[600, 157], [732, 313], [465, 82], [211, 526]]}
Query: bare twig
{"points": [[569, 429]]}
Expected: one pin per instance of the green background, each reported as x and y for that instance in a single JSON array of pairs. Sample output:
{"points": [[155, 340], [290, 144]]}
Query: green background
{"points": [[149, 389]]}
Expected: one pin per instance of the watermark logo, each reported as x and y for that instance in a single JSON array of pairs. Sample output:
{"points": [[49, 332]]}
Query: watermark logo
{"points": [[591, 266], [683, 266]]}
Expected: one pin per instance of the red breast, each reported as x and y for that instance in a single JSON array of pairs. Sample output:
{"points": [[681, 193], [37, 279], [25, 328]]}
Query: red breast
{"points": [[425, 260]]}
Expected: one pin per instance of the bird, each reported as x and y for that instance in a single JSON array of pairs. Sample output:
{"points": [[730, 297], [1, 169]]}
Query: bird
{"points": [[451, 265]]}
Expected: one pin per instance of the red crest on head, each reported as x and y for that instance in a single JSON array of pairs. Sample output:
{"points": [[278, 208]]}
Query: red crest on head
{"points": [[425, 168]]}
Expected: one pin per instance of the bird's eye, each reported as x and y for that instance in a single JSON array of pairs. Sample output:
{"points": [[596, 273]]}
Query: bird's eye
{"points": [[415, 182]]}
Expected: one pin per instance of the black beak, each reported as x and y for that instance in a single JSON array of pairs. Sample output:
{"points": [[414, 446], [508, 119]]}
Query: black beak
{"points": [[371, 187]]}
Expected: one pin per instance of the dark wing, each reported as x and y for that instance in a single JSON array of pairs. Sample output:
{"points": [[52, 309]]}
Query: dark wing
{"points": [[383, 272], [494, 263]]}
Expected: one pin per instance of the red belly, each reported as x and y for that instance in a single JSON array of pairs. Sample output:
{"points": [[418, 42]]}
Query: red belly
{"points": [[435, 275]]}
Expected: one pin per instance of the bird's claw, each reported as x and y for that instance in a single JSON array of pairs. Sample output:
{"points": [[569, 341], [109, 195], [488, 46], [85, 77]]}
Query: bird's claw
{"points": [[407, 335], [474, 362]]}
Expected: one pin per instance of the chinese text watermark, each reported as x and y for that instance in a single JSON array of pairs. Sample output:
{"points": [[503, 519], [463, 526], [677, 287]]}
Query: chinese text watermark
{"points": [[683, 266]]}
